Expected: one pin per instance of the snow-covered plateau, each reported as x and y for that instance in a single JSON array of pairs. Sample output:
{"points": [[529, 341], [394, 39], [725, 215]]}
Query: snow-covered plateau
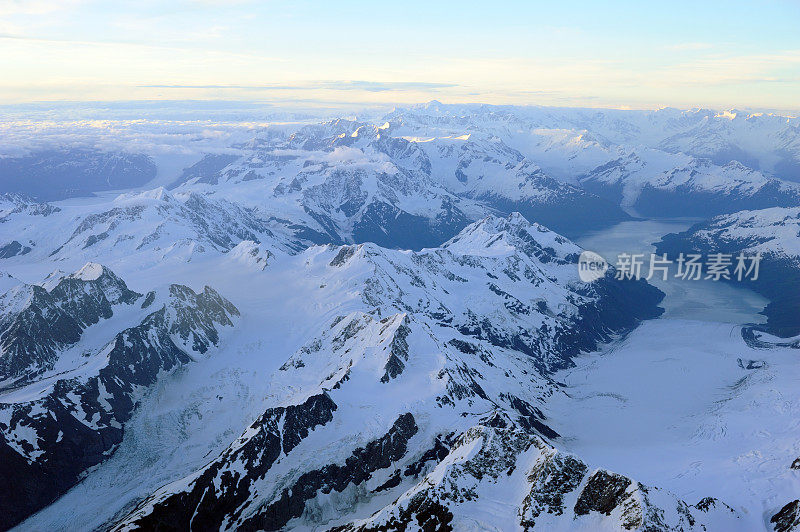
{"points": [[377, 323]]}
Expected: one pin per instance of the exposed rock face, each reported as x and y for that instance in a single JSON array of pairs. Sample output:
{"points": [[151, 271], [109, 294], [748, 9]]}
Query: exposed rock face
{"points": [[487, 462], [357, 468], [33, 329], [65, 422], [603, 493], [788, 518], [35, 323], [551, 480], [12, 249], [218, 494]]}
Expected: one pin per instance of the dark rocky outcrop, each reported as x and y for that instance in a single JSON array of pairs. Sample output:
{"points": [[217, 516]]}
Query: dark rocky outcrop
{"points": [[788, 518], [358, 467], [550, 482], [603, 492], [218, 493], [36, 324], [221, 492], [12, 249]]}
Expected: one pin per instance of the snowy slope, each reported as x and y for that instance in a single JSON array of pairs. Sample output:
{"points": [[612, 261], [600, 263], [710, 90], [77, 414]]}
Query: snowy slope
{"points": [[76, 360], [438, 322], [146, 228], [692, 408], [473, 382]]}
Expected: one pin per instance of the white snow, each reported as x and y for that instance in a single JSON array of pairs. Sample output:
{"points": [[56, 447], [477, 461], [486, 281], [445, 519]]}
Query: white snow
{"points": [[90, 272], [670, 405]]}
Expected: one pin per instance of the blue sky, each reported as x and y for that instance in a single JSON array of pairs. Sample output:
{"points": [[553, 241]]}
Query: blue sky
{"points": [[620, 54]]}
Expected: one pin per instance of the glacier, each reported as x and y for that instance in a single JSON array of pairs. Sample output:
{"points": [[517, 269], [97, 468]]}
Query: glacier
{"points": [[375, 322]]}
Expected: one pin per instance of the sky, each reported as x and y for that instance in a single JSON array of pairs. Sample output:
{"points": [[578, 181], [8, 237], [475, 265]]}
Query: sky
{"points": [[716, 54]]}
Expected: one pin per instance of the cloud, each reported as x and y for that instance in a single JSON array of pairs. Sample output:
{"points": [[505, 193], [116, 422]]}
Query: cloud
{"points": [[715, 70], [378, 86], [232, 87], [690, 46], [342, 85], [153, 137], [34, 7], [156, 128]]}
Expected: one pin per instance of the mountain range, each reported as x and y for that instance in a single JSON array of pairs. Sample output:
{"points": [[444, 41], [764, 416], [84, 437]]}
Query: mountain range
{"points": [[378, 322]]}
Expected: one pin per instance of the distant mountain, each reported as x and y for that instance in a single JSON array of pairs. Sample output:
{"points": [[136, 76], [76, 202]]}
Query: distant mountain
{"points": [[57, 174], [569, 141], [154, 226], [346, 181], [418, 175], [658, 184], [429, 170]]}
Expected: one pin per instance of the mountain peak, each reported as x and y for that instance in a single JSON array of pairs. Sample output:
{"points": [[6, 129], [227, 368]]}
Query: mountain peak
{"points": [[157, 194], [251, 254], [368, 131], [91, 271], [7, 282], [496, 236], [94, 281]]}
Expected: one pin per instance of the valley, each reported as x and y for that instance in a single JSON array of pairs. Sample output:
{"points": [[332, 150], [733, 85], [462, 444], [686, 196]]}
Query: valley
{"points": [[356, 324]]}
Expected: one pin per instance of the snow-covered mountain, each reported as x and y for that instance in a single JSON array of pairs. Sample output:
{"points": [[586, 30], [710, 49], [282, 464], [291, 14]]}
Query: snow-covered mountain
{"points": [[38, 323], [153, 226], [76, 360], [484, 319], [427, 171], [416, 176], [398, 336], [443, 323], [573, 141], [655, 183], [346, 181]]}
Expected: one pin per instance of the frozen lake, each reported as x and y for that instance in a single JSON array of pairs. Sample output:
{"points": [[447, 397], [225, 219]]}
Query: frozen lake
{"points": [[690, 300], [673, 405]]}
